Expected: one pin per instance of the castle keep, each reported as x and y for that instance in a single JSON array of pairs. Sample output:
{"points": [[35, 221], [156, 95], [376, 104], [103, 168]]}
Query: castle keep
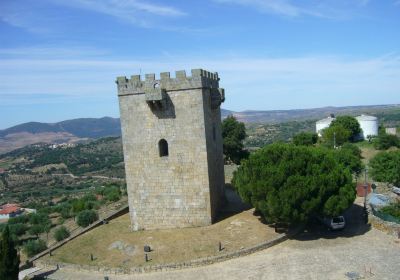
{"points": [[171, 133]]}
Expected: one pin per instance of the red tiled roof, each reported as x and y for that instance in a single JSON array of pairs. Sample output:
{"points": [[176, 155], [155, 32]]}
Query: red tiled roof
{"points": [[9, 208]]}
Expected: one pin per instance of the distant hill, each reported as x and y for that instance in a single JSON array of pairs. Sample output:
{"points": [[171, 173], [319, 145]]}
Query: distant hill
{"points": [[77, 130], [70, 131], [279, 116], [83, 128]]}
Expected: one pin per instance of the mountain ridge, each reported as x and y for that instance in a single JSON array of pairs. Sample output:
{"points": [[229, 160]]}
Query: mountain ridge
{"points": [[76, 130]]}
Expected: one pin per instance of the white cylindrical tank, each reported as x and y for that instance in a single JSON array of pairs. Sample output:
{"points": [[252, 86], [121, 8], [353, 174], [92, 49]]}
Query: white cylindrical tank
{"points": [[369, 125], [322, 124]]}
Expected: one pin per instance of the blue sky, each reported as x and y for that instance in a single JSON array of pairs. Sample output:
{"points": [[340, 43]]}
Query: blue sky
{"points": [[59, 59]]}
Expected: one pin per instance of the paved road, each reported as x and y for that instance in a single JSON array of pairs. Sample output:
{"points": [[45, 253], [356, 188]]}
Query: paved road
{"points": [[357, 251]]}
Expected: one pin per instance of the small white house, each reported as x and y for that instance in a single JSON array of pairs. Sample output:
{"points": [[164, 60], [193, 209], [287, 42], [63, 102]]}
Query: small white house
{"points": [[322, 124], [10, 211]]}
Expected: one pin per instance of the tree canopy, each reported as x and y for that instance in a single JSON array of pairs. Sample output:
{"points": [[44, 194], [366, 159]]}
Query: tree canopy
{"points": [[350, 156], [335, 135], [86, 217], [9, 258], [289, 183], [349, 123], [305, 139], [233, 134], [385, 167], [385, 141]]}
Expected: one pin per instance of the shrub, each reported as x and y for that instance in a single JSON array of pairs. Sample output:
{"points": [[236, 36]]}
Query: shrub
{"points": [[385, 141], [18, 229], [86, 217], [61, 233], [385, 167], [33, 247], [392, 209], [305, 139]]}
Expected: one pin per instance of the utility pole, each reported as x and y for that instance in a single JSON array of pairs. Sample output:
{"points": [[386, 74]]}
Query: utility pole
{"points": [[334, 140], [365, 187]]}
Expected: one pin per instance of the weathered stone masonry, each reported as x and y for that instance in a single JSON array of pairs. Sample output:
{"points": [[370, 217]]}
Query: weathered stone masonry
{"points": [[171, 132]]}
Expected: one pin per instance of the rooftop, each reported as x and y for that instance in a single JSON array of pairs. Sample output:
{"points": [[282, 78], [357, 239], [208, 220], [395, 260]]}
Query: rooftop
{"points": [[9, 208]]}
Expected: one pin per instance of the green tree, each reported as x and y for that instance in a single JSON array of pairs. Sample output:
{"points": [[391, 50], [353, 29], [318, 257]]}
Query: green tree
{"points": [[233, 134], [86, 217], [335, 135], [17, 229], [350, 156], [36, 230], [289, 183], [305, 139], [385, 167], [61, 233], [385, 141], [33, 247], [349, 123], [9, 258]]}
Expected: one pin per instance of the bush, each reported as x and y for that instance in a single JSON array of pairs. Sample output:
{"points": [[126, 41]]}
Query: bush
{"points": [[385, 167], [33, 247], [112, 193], [305, 139], [392, 209], [18, 229], [385, 141], [61, 233], [86, 217]]}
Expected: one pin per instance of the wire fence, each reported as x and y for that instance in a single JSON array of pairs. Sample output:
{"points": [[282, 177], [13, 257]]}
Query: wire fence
{"points": [[385, 217]]}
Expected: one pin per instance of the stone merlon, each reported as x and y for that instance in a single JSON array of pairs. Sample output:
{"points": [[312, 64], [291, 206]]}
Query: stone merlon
{"points": [[199, 79]]}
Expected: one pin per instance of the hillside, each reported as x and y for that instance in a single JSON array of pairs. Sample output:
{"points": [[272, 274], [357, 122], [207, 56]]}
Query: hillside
{"points": [[79, 130], [70, 131], [41, 172]]}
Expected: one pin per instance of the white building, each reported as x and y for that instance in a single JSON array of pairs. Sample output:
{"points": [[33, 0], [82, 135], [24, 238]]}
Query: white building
{"points": [[322, 124]]}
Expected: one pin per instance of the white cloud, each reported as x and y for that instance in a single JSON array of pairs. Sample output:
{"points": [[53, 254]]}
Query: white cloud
{"points": [[132, 11], [251, 83], [36, 17], [335, 9]]}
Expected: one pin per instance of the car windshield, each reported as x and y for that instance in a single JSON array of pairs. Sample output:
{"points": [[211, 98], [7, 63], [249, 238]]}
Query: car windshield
{"points": [[338, 220]]}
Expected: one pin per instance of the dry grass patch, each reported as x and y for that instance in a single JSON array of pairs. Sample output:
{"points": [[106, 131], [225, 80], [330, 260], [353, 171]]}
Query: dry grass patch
{"points": [[115, 245]]}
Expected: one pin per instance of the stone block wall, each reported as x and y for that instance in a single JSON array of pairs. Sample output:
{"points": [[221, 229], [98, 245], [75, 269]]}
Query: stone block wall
{"points": [[185, 187]]}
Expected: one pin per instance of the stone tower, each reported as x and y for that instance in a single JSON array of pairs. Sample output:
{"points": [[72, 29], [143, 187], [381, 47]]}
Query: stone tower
{"points": [[171, 134]]}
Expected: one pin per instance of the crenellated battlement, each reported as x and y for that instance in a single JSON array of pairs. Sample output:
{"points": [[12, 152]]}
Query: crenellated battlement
{"points": [[136, 85]]}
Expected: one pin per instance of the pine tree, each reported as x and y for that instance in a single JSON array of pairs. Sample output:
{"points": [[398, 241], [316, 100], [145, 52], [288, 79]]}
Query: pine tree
{"points": [[9, 258]]}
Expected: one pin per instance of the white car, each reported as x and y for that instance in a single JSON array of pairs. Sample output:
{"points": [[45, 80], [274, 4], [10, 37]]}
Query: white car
{"points": [[334, 223]]}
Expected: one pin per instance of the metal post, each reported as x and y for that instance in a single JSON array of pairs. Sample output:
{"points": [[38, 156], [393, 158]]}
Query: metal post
{"points": [[365, 188], [334, 140]]}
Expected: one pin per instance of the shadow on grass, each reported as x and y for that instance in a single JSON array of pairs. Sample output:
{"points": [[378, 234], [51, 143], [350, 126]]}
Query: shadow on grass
{"points": [[44, 275], [233, 204], [355, 226]]}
